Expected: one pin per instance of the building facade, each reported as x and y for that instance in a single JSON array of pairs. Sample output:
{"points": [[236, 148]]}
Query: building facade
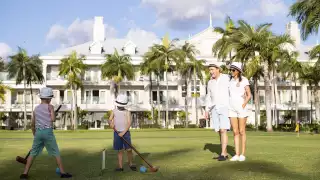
{"points": [[97, 97]]}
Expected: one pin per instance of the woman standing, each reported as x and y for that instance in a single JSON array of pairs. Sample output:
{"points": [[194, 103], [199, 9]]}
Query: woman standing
{"points": [[239, 97]]}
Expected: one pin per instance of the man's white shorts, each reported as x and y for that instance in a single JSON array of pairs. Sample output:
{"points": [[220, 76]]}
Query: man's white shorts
{"points": [[219, 119]]}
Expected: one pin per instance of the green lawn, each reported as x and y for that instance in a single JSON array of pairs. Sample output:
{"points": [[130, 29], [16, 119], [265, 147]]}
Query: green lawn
{"points": [[181, 154]]}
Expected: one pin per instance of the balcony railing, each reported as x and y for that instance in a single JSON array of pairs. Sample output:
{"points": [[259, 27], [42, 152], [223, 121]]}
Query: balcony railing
{"points": [[95, 100]]}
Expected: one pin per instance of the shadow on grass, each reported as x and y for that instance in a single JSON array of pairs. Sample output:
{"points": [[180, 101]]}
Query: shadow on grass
{"points": [[84, 165], [216, 149]]}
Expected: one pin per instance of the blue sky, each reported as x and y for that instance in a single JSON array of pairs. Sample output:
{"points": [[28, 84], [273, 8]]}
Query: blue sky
{"points": [[44, 26]]}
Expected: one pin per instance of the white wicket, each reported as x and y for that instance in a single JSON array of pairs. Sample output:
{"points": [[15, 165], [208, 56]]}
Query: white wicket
{"points": [[103, 159]]}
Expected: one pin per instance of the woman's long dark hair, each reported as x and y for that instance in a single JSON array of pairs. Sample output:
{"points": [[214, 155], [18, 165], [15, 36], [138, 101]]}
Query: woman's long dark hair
{"points": [[239, 75]]}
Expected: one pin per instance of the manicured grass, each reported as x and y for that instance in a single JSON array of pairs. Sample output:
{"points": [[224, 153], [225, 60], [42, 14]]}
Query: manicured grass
{"points": [[181, 154]]}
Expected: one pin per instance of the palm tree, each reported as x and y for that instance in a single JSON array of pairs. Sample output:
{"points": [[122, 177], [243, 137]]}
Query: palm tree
{"points": [[116, 68], [73, 68], [21, 67], [307, 14], [168, 55], [292, 68], [188, 68], [156, 68], [311, 75], [35, 76], [145, 69], [255, 71], [221, 48], [315, 53]]}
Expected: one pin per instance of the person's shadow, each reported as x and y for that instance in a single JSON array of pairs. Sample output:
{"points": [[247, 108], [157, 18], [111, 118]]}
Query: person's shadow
{"points": [[216, 149]]}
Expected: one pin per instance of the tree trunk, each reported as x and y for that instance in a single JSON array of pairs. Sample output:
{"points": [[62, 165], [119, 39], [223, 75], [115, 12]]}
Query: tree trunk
{"points": [[75, 110], [316, 102], [296, 105], [196, 96], [31, 97], [256, 101], [275, 111], [158, 98], [311, 98], [151, 96], [71, 109], [291, 101], [167, 102], [268, 95], [25, 103], [186, 102]]}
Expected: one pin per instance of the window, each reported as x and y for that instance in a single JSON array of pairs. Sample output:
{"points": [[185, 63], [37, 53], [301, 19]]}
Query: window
{"points": [[69, 96], [184, 90], [95, 98], [62, 96], [88, 97], [102, 97], [154, 96], [87, 75], [20, 97], [195, 90]]}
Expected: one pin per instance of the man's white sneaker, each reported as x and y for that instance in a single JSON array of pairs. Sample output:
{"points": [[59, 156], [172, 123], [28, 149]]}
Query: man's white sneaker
{"points": [[242, 158], [235, 158]]}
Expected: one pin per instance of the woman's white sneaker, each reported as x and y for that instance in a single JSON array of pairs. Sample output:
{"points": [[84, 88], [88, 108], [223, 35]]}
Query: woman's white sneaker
{"points": [[235, 158], [242, 158]]}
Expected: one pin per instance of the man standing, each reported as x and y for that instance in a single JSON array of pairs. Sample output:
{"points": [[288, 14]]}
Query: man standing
{"points": [[217, 104]]}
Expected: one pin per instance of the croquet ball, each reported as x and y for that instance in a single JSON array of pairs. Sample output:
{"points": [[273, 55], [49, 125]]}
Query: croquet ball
{"points": [[143, 169], [57, 170]]}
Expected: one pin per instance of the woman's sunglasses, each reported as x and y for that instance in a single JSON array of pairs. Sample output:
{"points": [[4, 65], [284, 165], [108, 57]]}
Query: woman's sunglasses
{"points": [[233, 70]]}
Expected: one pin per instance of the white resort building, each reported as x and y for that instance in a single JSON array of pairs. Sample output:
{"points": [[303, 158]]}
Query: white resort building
{"points": [[97, 99]]}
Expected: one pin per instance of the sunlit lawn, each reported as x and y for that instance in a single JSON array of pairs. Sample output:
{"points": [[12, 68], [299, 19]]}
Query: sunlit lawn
{"points": [[181, 154]]}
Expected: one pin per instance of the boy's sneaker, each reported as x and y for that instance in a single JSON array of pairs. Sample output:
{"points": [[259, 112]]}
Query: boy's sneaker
{"points": [[119, 169], [66, 175], [133, 168], [235, 158], [24, 176], [242, 158]]}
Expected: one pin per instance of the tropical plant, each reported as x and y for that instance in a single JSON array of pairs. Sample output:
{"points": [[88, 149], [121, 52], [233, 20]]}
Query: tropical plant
{"points": [[189, 68], [164, 56], [35, 76], [310, 74], [24, 68], [73, 68], [117, 67], [221, 48], [255, 71], [292, 68], [146, 69], [307, 14]]}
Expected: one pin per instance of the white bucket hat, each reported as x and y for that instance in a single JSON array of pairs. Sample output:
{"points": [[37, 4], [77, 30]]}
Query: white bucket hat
{"points": [[46, 93], [237, 66], [122, 100]]}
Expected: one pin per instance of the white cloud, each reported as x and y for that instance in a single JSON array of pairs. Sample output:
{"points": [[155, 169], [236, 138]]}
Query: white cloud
{"points": [[268, 8], [182, 14], [137, 34], [77, 32], [5, 50], [185, 14]]}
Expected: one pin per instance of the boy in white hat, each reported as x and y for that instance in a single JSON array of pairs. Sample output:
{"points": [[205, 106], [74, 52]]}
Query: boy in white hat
{"points": [[42, 128], [120, 119]]}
